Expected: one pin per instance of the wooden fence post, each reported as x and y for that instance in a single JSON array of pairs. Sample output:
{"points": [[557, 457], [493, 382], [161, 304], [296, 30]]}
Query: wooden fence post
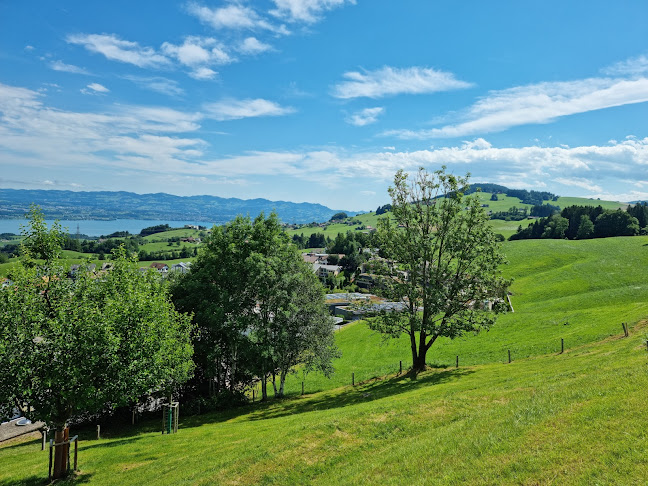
{"points": [[457, 363], [562, 345], [400, 367], [98, 432], [352, 379], [509, 353], [302, 387], [76, 450]]}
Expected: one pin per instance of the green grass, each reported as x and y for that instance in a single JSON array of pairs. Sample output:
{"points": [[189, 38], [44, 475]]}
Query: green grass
{"points": [[557, 419], [563, 202], [546, 418], [165, 235], [579, 291]]}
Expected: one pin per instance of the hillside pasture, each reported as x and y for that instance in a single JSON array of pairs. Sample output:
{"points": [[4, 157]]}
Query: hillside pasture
{"points": [[579, 291], [556, 419]]}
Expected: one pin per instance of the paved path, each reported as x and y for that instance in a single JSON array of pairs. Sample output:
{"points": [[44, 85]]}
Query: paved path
{"points": [[11, 430]]}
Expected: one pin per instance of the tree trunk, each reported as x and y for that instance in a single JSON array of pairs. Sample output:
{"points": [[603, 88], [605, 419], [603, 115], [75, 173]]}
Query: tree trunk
{"points": [[61, 452], [282, 382], [264, 388], [274, 384], [412, 336]]}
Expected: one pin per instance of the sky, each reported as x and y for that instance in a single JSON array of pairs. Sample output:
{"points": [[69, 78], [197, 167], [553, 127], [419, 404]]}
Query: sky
{"points": [[323, 100]]}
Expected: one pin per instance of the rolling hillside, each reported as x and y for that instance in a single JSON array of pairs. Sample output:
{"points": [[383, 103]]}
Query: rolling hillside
{"points": [[546, 418]]}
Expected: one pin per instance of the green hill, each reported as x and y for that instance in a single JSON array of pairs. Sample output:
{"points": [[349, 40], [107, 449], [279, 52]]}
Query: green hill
{"points": [[546, 418], [504, 203]]}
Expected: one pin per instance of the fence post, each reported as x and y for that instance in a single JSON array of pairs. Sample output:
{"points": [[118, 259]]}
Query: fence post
{"points": [[302, 387], [252, 395], [133, 418], [352, 379], [44, 432], [457, 363], [76, 450], [400, 367], [562, 345], [49, 473], [509, 354], [98, 432]]}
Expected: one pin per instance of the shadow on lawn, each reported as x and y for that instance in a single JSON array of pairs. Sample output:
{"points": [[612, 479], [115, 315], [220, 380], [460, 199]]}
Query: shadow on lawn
{"points": [[41, 481], [363, 392]]}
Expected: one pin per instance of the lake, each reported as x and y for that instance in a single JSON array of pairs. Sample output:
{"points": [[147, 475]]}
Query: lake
{"points": [[92, 227]]}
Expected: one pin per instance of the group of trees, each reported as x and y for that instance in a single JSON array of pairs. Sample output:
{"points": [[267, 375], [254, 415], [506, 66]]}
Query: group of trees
{"points": [[258, 307], [584, 222], [383, 209], [250, 308], [513, 214], [76, 346]]}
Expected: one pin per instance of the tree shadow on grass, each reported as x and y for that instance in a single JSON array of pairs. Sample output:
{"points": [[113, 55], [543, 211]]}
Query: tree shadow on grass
{"points": [[78, 478], [368, 391]]}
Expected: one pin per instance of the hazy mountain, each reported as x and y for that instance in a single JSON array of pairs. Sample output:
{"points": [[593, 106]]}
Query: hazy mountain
{"points": [[14, 203]]}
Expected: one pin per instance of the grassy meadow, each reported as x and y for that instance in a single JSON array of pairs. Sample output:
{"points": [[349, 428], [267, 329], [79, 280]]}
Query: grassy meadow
{"points": [[546, 418]]}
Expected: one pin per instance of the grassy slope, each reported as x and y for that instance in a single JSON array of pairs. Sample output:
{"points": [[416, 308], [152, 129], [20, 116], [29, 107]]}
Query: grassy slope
{"points": [[548, 419], [556, 419], [592, 285]]}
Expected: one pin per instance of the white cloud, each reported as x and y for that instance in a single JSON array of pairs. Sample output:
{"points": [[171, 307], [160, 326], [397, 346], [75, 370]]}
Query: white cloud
{"points": [[116, 49], [390, 81], [198, 51], [251, 45], [158, 84], [635, 65], [67, 68], [29, 48], [578, 182], [98, 87], [154, 140], [203, 73], [537, 103], [308, 11], [233, 16], [365, 117], [232, 109], [95, 88]]}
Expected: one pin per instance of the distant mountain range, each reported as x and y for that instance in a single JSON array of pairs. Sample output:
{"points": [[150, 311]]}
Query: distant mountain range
{"points": [[14, 204]]}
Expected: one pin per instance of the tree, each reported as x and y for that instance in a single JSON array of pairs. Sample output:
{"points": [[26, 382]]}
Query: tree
{"points": [[69, 347], [442, 262], [585, 228], [556, 227], [259, 307], [291, 325], [339, 216], [615, 223]]}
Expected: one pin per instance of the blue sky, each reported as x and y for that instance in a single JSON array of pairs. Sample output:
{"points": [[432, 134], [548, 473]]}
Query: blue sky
{"points": [[323, 100]]}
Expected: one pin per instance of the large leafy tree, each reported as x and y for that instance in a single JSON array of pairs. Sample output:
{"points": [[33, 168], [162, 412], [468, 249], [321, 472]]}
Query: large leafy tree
{"points": [[259, 308], [70, 346], [441, 261]]}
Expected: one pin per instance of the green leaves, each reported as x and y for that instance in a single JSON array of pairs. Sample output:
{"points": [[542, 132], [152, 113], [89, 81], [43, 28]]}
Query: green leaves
{"points": [[74, 345], [441, 258]]}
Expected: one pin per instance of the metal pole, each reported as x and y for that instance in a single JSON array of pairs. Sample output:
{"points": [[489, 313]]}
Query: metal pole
{"points": [[76, 452]]}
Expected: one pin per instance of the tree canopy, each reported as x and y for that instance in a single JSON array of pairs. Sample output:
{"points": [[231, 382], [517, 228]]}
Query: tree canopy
{"points": [[72, 346], [259, 307], [441, 261]]}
